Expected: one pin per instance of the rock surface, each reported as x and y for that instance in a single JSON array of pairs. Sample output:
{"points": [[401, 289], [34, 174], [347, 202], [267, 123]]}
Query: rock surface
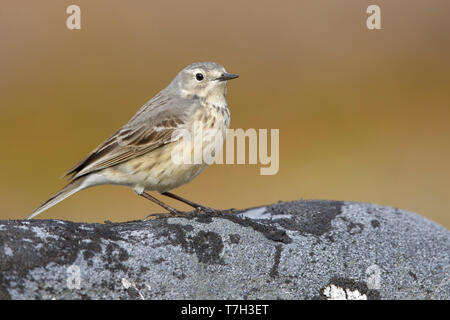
{"points": [[297, 250]]}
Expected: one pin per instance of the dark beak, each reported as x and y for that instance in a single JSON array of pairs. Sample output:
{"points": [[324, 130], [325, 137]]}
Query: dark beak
{"points": [[227, 76]]}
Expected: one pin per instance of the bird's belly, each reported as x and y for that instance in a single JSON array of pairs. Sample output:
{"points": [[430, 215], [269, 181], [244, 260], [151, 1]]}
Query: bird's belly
{"points": [[155, 171], [177, 163]]}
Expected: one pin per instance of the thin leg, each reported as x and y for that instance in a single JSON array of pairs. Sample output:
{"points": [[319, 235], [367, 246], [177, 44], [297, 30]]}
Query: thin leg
{"points": [[173, 211], [190, 203]]}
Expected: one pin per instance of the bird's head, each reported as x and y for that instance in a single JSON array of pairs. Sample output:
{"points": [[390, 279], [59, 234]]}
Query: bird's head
{"points": [[205, 80]]}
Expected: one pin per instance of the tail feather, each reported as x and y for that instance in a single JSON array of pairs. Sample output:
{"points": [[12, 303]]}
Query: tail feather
{"points": [[67, 191]]}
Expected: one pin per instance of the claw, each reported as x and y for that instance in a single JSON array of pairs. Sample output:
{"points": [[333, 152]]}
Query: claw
{"points": [[170, 214], [155, 216], [205, 209]]}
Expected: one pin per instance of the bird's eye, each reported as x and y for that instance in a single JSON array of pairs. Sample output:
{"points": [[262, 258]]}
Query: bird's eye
{"points": [[199, 76]]}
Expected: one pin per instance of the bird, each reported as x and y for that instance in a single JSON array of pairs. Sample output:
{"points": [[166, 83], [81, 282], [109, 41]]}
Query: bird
{"points": [[140, 154]]}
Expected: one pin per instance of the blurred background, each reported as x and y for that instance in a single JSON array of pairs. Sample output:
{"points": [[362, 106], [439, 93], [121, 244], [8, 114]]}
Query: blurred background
{"points": [[363, 114]]}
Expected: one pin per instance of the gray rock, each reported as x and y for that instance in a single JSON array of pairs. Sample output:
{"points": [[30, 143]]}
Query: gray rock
{"points": [[296, 250]]}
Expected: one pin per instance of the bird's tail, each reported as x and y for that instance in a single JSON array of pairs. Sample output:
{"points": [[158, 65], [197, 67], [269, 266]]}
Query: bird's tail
{"points": [[67, 191]]}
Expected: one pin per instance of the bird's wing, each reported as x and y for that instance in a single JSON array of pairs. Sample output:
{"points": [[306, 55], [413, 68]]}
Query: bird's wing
{"points": [[153, 126]]}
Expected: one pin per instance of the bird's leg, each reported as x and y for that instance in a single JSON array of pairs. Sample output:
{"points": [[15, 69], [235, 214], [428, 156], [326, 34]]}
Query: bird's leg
{"points": [[172, 211], [190, 203]]}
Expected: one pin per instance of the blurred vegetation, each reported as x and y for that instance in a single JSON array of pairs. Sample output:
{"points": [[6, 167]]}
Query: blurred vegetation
{"points": [[363, 115]]}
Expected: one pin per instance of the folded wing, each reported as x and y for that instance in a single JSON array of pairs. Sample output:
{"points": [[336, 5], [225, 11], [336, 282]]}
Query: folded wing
{"points": [[133, 140]]}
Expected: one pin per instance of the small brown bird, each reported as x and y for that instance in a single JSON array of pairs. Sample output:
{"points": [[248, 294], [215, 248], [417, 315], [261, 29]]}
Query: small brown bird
{"points": [[139, 155]]}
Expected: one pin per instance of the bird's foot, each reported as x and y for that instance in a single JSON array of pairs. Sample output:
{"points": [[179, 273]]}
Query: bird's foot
{"points": [[203, 209], [170, 214], [229, 211]]}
